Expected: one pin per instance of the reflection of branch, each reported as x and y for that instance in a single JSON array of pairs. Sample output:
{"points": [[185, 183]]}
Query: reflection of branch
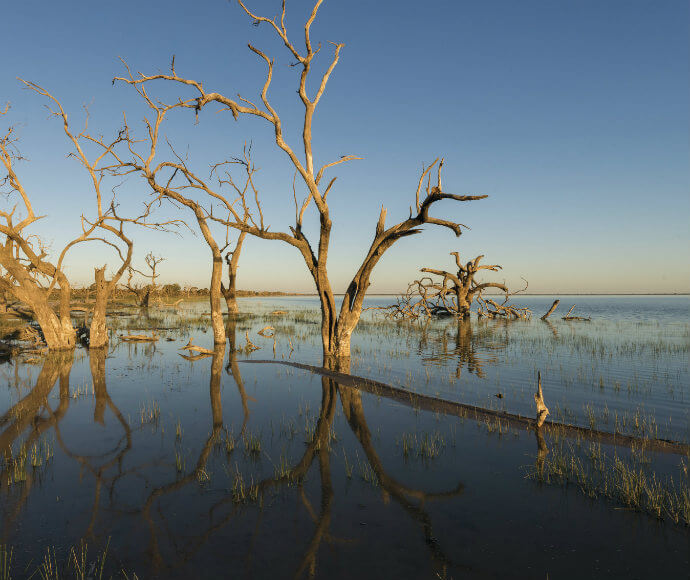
{"points": [[97, 364], [27, 413], [160, 491], [354, 412], [466, 346]]}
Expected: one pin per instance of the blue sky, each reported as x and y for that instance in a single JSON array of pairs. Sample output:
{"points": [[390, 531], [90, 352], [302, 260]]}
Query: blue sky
{"points": [[572, 116]]}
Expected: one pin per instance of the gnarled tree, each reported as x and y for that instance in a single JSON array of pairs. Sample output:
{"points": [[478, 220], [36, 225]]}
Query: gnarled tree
{"points": [[170, 178], [175, 182], [27, 272], [454, 294]]}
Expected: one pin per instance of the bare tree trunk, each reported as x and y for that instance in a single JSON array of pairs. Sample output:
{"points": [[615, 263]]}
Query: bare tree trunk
{"points": [[232, 259], [54, 333], [98, 332], [215, 295], [333, 343], [230, 294], [58, 332], [461, 297]]}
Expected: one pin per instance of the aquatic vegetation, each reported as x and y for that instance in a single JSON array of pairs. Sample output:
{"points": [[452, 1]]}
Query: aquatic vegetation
{"points": [[629, 482], [220, 436], [5, 562], [423, 445], [77, 564]]}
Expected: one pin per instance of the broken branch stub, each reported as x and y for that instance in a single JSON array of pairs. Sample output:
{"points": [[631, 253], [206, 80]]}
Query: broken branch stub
{"points": [[542, 409]]}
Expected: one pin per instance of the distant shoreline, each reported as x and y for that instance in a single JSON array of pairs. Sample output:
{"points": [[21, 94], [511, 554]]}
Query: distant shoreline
{"points": [[554, 294]]}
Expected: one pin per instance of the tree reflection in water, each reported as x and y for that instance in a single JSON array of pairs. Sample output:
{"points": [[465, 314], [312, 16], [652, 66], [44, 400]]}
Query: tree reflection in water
{"points": [[22, 426], [170, 546], [472, 344]]}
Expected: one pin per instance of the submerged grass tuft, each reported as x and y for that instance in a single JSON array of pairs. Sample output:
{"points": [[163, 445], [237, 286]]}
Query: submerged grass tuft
{"points": [[629, 482]]}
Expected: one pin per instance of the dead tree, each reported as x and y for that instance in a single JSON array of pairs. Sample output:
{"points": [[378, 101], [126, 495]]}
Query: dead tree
{"points": [[170, 178], [462, 286], [144, 292], [184, 194], [454, 294], [25, 271], [106, 222], [232, 260]]}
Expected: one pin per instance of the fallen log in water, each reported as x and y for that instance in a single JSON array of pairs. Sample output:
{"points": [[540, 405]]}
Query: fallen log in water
{"points": [[568, 317], [550, 311], [139, 338], [194, 348], [437, 405]]}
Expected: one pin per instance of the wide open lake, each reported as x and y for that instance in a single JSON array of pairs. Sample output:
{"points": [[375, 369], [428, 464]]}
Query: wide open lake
{"points": [[141, 462]]}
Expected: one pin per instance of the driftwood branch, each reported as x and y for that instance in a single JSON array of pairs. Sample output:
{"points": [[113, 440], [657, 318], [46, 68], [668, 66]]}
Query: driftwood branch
{"points": [[581, 318], [550, 310]]}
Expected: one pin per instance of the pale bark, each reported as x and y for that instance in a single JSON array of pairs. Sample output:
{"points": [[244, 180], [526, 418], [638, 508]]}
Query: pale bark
{"points": [[56, 325], [170, 179], [27, 271], [542, 409], [232, 260], [98, 333]]}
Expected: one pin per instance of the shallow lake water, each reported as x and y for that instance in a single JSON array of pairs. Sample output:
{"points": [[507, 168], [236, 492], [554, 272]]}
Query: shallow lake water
{"points": [[237, 465]]}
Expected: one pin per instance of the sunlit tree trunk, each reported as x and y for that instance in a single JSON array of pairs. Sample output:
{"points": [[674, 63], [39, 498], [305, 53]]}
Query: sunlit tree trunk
{"points": [[98, 332]]}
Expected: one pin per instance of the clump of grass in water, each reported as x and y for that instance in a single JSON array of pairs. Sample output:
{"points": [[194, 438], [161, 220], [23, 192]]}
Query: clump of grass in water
{"points": [[242, 493], [150, 413], [496, 426], [5, 562], [425, 446], [626, 482], [228, 442], [19, 473], [368, 474], [283, 469], [49, 567], [252, 445], [180, 463], [79, 560]]}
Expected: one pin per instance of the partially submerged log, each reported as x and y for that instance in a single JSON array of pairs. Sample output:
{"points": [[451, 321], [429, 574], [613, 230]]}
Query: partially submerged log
{"points": [[438, 405], [139, 337], [491, 309], [196, 357], [550, 311], [265, 330], [569, 318], [194, 348]]}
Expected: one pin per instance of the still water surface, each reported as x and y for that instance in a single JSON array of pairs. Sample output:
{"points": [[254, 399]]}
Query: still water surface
{"points": [[217, 468]]}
